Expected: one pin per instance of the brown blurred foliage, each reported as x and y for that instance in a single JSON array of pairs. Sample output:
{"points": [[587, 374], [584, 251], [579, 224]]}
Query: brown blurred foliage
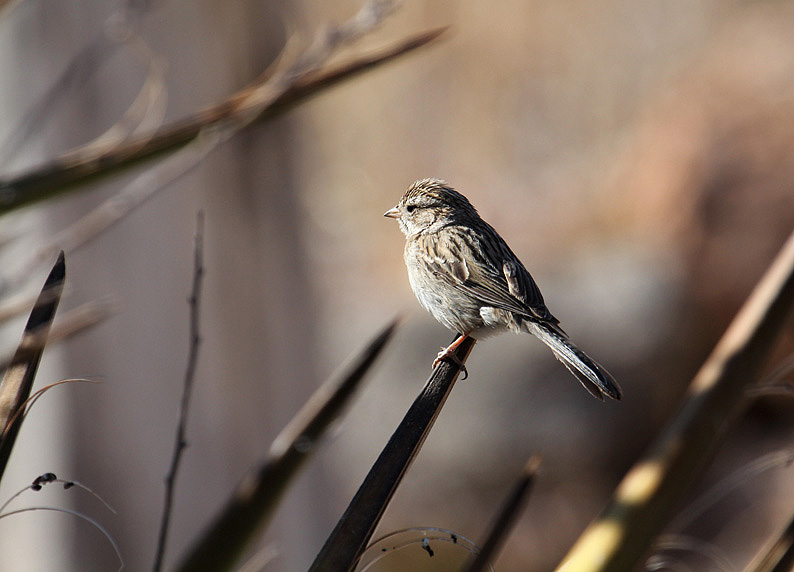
{"points": [[636, 155]]}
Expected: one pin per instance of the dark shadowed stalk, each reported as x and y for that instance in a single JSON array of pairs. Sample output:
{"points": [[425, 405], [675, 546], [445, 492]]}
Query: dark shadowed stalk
{"points": [[354, 530], [18, 380], [187, 388], [715, 400], [258, 494], [506, 517], [779, 556]]}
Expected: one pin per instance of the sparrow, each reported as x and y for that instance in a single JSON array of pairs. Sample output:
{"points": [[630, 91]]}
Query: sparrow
{"points": [[464, 273]]}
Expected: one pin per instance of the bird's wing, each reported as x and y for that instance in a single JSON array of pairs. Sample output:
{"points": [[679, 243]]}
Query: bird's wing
{"points": [[483, 266]]}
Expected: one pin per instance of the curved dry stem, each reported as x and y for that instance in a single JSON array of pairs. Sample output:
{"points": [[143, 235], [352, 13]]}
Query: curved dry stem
{"points": [[50, 478], [147, 110], [97, 50], [266, 98], [79, 515], [31, 401]]}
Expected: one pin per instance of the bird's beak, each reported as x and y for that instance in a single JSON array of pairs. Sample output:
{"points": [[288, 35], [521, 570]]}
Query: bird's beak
{"points": [[393, 212]]}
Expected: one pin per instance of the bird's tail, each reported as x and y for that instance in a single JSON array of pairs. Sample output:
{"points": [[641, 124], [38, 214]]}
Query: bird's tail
{"points": [[595, 379]]}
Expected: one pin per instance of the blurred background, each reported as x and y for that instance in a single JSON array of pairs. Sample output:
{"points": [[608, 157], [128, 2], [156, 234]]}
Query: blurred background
{"points": [[638, 156]]}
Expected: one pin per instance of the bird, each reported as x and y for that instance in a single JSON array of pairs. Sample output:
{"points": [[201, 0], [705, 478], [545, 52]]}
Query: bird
{"points": [[464, 273]]}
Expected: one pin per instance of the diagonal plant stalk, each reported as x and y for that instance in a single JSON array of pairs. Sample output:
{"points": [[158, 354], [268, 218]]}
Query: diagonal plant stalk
{"points": [[18, 381], [715, 400], [257, 496], [344, 546], [71, 171], [506, 517]]}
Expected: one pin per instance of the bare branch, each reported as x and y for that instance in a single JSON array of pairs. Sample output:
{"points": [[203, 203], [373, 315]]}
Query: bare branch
{"points": [[187, 388], [263, 100]]}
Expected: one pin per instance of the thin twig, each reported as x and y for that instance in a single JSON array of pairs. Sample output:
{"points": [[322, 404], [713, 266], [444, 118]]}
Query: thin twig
{"points": [[190, 373], [79, 515], [27, 406], [47, 479]]}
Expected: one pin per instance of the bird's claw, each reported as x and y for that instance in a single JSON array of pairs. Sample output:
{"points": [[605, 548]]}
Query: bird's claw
{"points": [[449, 353]]}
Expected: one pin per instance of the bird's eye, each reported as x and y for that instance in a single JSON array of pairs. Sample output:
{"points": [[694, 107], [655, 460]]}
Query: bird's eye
{"points": [[410, 208]]}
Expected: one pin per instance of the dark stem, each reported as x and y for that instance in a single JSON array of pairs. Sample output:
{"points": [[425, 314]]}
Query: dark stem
{"points": [[506, 516], [354, 530], [18, 380], [190, 373]]}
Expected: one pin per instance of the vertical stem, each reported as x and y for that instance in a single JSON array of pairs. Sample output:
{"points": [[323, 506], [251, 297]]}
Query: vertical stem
{"points": [[187, 387]]}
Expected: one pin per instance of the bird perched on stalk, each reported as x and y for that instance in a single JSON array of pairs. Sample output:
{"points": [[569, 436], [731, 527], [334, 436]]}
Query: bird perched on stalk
{"points": [[466, 276]]}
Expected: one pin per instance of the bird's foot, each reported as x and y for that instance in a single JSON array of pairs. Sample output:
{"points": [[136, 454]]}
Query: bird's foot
{"points": [[449, 353]]}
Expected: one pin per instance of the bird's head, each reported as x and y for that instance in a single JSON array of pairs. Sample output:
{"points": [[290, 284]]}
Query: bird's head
{"points": [[429, 205]]}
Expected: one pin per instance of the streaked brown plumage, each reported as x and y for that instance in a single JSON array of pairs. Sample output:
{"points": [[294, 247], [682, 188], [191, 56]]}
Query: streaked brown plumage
{"points": [[466, 276]]}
